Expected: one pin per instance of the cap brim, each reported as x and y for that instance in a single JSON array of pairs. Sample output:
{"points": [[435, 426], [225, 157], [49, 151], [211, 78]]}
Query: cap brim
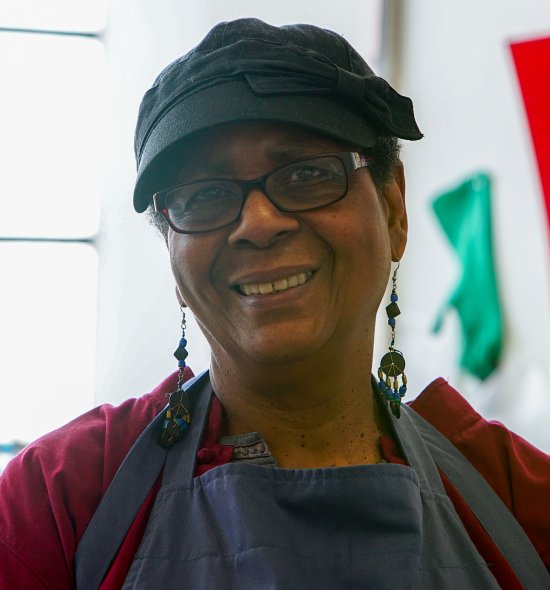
{"points": [[231, 102]]}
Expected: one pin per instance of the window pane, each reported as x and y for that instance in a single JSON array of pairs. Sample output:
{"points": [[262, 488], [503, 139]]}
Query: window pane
{"points": [[50, 115], [47, 336], [57, 15]]}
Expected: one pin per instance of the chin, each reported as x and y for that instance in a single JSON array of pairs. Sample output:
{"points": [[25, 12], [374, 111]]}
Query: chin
{"points": [[281, 351]]}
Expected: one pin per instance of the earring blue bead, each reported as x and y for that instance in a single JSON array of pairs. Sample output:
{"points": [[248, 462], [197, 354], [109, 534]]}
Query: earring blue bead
{"points": [[181, 353], [178, 417], [392, 365]]}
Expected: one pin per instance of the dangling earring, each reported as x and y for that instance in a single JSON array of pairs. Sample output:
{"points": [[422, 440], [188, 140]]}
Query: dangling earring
{"points": [[393, 363], [177, 418]]}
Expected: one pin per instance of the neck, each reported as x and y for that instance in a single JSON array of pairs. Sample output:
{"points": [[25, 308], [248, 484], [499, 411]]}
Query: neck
{"points": [[313, 413]]}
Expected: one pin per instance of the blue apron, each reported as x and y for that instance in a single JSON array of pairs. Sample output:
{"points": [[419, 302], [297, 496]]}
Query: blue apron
{"points": [[252, 527]]}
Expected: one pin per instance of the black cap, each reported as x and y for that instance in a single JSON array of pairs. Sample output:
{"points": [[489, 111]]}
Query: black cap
{"points": [[248, 70]]}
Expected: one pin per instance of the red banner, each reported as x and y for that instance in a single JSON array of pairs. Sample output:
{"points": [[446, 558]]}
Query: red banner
{"points": [[532, 61]]}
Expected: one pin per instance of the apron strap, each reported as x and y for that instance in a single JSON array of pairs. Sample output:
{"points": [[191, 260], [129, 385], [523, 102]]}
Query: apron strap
{"points": [[180, 471], [416, 453], [122, 500], [492, 513]]}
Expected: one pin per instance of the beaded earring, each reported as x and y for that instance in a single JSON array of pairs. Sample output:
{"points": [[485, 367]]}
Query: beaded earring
{"points": [[177, 418], [392, 364]]}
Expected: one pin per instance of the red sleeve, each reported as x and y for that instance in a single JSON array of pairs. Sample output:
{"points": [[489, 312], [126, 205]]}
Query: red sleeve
{"points": [[517, 471], [49, 491]]}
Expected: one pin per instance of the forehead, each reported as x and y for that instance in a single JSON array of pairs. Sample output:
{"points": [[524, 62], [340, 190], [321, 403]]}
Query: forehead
{"points": [[226, 148]]}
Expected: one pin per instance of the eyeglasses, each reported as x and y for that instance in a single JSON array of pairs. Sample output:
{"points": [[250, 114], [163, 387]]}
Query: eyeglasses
{"points": [[303, 185]]}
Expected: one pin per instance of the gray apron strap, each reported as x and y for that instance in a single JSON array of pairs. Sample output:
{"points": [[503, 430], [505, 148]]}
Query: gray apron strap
{"points": [[122, 500], [494, 516], [181, 461], [416, 453]]}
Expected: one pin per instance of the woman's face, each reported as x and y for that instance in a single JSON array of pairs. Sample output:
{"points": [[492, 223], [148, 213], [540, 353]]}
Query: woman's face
{"points": [[337, 257]]}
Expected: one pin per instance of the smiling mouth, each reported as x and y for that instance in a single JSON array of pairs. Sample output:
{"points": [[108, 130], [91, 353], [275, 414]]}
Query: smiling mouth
{"points": [[275, 287]]}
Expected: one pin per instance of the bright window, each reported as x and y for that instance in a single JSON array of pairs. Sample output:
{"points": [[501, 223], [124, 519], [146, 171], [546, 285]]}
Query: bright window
{"points": [[54, 15], [47, 343], [50, 189], [50, 120]]}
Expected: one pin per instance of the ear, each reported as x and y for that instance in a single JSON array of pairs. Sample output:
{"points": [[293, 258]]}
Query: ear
{"points": [[393, 194], [180, 298]]}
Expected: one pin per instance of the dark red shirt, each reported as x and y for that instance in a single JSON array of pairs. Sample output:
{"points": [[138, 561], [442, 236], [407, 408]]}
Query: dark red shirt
{"points": [[50, 491]]}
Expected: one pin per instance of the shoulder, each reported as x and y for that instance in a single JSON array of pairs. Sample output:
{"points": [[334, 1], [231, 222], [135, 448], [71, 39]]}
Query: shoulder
{"points": [[477, 438], [444, 407], [517, 471], [49, 492], [493, 449]]}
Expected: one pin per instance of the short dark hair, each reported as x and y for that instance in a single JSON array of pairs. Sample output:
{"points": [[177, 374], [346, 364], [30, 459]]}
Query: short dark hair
{"points": [[385, 153]]}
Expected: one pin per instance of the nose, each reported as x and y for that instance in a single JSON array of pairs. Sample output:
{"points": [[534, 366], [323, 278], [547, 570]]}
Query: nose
{"points": [[261, 223]]}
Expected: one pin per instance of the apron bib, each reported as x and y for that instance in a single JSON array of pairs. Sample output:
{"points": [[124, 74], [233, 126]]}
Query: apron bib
{"points": [[251, 527]]}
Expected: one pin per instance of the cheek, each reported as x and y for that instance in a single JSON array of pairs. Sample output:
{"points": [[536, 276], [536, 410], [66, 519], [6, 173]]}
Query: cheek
{"points": [[364, 230], [364, 242], [188, 259]]}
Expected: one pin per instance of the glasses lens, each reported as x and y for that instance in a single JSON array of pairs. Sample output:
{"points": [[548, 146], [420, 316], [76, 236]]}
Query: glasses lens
{"points": [[201, 206], [308, 183]]}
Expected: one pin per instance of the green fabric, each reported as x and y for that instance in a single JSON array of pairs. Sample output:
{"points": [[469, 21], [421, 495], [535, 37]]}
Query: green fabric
{"points": [[465, 216]]}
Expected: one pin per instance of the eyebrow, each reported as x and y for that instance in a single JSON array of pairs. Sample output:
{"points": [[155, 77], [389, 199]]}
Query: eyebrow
{"points": [[286, 153], [279, 154]]}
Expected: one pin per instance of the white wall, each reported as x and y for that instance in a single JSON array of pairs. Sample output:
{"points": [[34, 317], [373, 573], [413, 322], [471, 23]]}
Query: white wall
{"points": [[458, 69]]}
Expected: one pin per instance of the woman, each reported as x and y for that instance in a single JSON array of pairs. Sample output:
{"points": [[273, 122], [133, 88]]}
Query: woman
{"points": [[268, 159]]}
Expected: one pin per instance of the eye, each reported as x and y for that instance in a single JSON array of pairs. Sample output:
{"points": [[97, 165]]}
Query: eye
{"points": [[208, 196], [311, 173], [203, 201], [307, 173]]}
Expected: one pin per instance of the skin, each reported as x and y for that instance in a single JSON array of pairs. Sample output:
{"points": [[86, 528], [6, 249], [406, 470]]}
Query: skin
{"points": [[294, 366]]}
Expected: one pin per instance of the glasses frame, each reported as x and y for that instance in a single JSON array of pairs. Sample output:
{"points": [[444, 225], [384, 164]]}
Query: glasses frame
{"points": [[351, 160]]}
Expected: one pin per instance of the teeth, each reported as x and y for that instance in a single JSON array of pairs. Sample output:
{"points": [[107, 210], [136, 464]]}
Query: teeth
{"points": [[280, 285], [277, 286], [266, 288], [293, 281]]}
